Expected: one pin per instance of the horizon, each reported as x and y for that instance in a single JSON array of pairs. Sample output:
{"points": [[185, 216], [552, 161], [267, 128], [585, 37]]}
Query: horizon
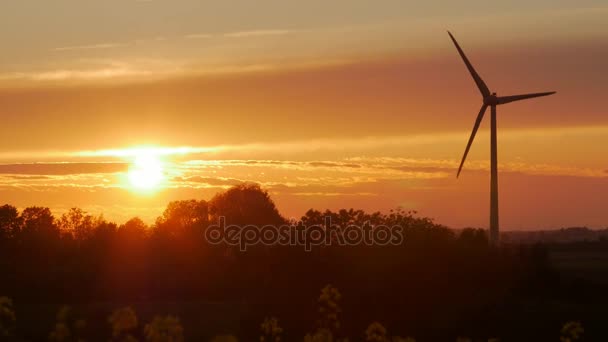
{"points": [[356, 104]]}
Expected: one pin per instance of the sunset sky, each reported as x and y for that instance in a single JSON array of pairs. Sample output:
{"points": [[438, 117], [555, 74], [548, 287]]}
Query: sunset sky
{"points": [[120, 106]]}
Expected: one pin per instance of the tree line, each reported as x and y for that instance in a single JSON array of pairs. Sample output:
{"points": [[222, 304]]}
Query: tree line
{"points": [[435, 278]]}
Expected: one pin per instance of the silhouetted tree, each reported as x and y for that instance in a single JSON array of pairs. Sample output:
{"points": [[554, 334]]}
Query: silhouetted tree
{"points": [[39, 223], [77, 224], [104, 231], [133, 229], [10, 222], [245, 204], [473, 237], [183, 217]]}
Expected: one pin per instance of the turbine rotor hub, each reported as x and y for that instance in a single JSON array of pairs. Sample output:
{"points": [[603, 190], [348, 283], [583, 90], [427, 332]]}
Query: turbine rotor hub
{"points": [[491, 100]]}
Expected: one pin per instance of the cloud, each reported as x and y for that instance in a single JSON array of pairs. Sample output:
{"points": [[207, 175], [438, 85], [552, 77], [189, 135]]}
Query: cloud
{"points": [[143, 70], [100, 70], [59, 75], [334, 194], [333, 164], [62, 168], [210, 180], [25, 177], [89, 47], [199, 36], [239, 34], [551, 170], [257, 33]]}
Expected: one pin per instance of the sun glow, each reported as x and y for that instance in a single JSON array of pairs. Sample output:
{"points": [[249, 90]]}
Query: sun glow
{"points": [[146, 172]]}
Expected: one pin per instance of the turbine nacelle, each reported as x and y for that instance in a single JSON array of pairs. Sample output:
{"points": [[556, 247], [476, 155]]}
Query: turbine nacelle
{"points": [[491, 100]]}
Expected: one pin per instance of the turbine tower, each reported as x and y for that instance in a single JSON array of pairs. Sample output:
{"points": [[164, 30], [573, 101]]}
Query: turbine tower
{"points": [[491, 100]]}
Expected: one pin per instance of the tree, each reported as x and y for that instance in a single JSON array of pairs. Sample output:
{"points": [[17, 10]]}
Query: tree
{"points": [[245, 204], [104, 230], [472, 237], [181, 217], [10, 222], [77, 223], [135, 228], [38, 222]]}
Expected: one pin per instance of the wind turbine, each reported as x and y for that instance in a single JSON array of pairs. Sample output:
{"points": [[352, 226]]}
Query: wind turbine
{"points": [[491, 100]]}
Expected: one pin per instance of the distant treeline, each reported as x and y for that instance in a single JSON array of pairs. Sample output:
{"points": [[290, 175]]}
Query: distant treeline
{"points": [[436, 285], [563, 235]]}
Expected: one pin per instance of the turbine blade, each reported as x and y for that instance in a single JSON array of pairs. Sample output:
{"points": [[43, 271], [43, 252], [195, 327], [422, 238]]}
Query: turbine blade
{"points": [[483, 88], [507, 99], [475, 128]]}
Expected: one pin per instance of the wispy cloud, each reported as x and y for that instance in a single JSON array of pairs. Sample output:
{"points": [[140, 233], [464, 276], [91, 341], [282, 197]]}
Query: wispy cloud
{"points": [[61, 168], [372, 154], [257, 33], [334, 194], [66, 74], [101, 70], [239, 34], [144, 70], [199, 36], [100, 46], [213, 181]]}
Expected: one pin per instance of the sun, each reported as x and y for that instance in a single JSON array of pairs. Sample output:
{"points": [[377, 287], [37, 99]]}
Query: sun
{"points": [[146, 172]]}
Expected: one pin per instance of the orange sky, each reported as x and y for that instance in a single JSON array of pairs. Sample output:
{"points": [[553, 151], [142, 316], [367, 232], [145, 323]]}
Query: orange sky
{"points": [[353, 104]]}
